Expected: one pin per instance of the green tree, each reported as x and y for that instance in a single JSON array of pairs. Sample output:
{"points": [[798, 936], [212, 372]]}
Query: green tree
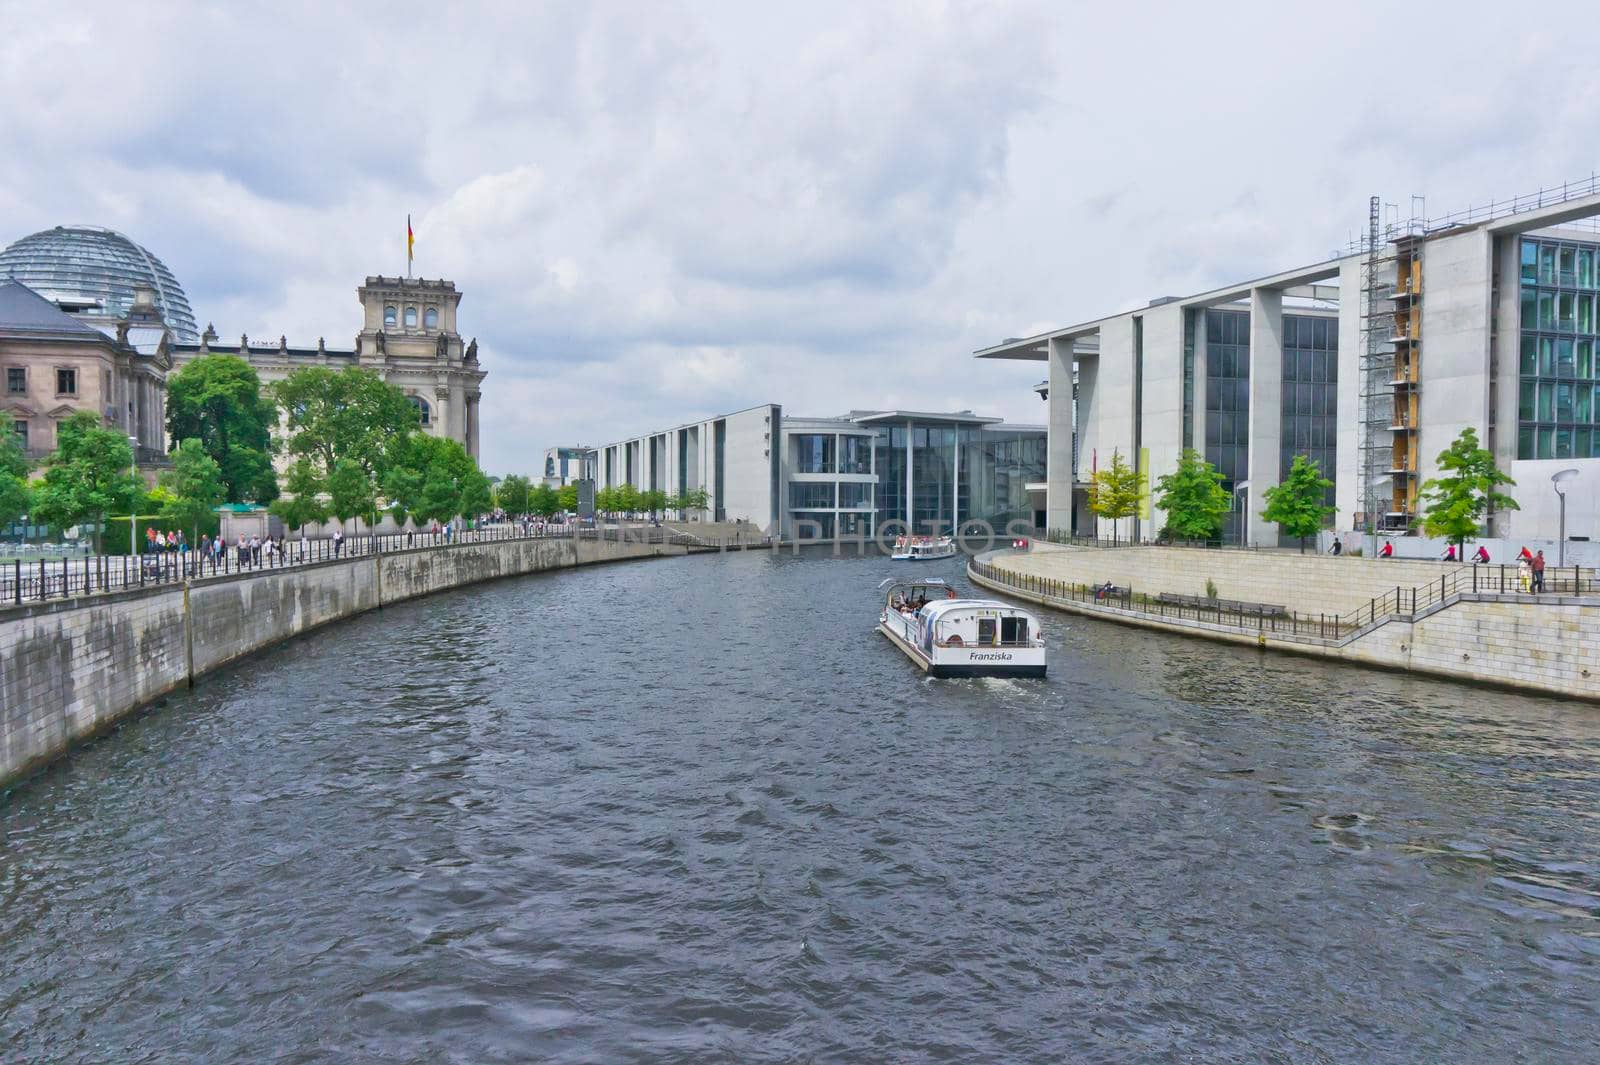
{"points": [[696, 499], [567, 498], [344, 415], [1299, 505], [434, 479], [1114, 491], [87, 476], [304, 504], [653, 501], [15, 495], [218, 401], [1455, 502], [1193, 499], [196, 487], [625, 499], [544, 500], [515, 494], [350, 491]]}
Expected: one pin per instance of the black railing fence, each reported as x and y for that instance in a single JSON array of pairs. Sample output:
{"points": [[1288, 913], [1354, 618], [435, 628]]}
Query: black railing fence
{"points": [[34, 581], [1399, 602]]}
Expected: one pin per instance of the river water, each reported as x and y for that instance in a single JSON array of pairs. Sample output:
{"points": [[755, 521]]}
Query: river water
{"points": [[695, 810]]}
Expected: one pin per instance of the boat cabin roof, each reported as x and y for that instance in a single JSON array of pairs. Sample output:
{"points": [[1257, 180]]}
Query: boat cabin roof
{"points": [[938, 609]]}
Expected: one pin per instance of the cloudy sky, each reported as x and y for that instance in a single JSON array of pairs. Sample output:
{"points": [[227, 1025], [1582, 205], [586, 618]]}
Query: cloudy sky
{"points": [[661, 211]]}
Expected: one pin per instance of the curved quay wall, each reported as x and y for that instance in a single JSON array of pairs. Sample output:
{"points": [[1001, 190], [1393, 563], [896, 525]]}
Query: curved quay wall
{"points": [[1547, 648], [72, 668]]}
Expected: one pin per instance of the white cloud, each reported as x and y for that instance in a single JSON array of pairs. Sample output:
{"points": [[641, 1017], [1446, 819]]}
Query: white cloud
{"points": [[660, 212]]}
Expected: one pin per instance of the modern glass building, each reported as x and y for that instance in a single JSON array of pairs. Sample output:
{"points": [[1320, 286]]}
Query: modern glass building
{"points": [[93, 273]]}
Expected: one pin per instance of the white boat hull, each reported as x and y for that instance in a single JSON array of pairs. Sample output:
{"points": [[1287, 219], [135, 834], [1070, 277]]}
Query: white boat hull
{"points": [[966, 661]]}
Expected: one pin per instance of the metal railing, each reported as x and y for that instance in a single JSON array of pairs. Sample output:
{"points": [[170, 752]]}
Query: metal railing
{"points": [[1401, 602], [62, 578]]}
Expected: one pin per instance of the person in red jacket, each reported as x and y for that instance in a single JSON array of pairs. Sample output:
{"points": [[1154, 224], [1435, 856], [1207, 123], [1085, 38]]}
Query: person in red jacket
{"points": [[1388, 549], [1481, 555]]}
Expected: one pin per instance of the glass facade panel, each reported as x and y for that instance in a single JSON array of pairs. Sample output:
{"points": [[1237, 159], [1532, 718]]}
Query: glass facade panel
{"points": [[855, 454], [855, 494], [1228, 399], [1310, 384], [1557, 364], [811, 452], [811, 495]]}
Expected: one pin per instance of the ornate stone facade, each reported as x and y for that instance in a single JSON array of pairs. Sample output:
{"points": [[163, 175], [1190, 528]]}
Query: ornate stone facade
{"points": [[408, 337]]}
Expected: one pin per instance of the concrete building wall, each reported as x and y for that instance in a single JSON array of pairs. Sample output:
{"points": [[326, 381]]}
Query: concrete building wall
{"points": [[1161, 400], [71, 668], [1456, 273], [1347, 482], [1059, 474], [747, 465]]}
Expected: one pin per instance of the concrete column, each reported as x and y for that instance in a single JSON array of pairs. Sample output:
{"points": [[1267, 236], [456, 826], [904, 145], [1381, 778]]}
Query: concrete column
{"points": [[911, 452], [1347, 460], [1058, 461], [1266, 407], [1161, 402]]}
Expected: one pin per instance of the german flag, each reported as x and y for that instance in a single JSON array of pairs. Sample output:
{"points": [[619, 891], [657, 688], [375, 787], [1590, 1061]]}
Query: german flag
{"points": [[411, 241]]}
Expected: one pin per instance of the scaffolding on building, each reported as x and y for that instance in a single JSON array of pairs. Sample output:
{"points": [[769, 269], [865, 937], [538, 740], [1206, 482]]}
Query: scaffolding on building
{"points": [[1376, 440]]}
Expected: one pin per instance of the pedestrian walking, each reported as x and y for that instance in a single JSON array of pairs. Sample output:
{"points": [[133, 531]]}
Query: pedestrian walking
{"points": [[338, 542], [305, 544], [243, 551], [255, 550], [1538, 572], [1525, 575]]}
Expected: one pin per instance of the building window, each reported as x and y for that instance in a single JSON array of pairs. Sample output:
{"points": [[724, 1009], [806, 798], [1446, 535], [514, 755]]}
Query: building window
{"points": [[810, 495], [855, 454], [424, 412], [811, 452], [21, 429], [16, 380], [855, 494], [390, 316], [430, 318], [66, 382], [1558, 393], [411, 317]]}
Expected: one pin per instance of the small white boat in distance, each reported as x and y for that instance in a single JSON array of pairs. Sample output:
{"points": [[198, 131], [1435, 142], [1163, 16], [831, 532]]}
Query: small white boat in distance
{"points": [[923, 548], [950, 637]]}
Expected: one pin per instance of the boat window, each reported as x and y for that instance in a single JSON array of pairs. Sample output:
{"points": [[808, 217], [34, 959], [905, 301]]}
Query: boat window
{"points": [[986, 632], [1013, 630]]}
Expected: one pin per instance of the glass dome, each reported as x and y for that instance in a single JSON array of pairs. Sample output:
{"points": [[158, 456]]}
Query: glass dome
{"points": [[97, 269]]}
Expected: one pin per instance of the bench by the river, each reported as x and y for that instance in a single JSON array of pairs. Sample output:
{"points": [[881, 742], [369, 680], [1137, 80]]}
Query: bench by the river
{"points": [[1229, 606]]}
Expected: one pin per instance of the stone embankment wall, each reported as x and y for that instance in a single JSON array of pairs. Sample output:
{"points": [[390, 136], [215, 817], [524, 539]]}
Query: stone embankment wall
{"points": [[1306, 584], [71, 668], [1548, 646]]}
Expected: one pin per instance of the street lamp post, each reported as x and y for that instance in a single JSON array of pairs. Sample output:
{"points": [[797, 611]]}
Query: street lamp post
{"points": [[133, 519], [1558, 479], [1243, 511]]}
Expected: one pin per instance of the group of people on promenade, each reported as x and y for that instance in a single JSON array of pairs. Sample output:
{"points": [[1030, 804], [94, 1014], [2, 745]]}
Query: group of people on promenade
{"points": [[248, 551], [1530, 564]]}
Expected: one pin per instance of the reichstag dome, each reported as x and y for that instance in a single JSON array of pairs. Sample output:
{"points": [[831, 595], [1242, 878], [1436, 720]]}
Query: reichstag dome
{"points": [[97, 268]]}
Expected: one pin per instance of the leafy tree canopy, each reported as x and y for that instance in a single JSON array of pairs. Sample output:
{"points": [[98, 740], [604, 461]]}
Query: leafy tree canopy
{"points": [[87, 476], [343, 415], [303, 505], [350, 490], [15, 495], [195, 482], [1298, 505], [1455, 502], [1193, 498], [515, 494], [434, 479], [567, 497], [1114, 490], [217, 400]]}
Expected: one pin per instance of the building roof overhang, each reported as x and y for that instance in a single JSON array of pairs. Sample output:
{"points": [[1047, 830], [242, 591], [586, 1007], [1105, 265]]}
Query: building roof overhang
{"points": [[1301, 282]]}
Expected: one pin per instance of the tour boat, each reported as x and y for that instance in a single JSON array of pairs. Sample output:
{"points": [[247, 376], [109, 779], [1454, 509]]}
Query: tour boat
{"points": [[923, 548], [951, 637]]}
